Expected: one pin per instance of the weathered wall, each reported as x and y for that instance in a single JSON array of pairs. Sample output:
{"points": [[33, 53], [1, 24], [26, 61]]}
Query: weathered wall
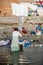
{"points": [[5, 6]]}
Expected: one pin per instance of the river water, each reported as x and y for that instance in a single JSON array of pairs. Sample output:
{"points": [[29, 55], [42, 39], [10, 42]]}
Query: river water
{"points": [[32, 55]]}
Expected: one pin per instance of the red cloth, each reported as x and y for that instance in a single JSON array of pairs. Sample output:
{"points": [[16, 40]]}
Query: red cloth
{"points": [[24, 31]]}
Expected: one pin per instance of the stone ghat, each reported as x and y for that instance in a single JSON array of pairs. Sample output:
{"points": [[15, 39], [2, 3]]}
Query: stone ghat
{"points": [[5, 55]]}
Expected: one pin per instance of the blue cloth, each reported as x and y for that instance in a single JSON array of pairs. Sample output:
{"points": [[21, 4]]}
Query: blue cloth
{"points": [[33, 32], [27, 44], [20, 40], [42, 29], [38, 27]]}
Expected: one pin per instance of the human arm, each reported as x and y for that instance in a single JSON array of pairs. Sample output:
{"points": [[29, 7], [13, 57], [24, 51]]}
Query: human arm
{"points": [[20, 35]]}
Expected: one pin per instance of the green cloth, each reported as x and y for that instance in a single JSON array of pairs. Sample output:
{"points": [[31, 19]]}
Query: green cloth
{"points": [[38, 36], [15, 57], [15, 44]]}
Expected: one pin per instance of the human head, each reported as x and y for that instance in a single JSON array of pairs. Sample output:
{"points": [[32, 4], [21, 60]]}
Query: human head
{"points": [[23, 28], [15, 29], [39, 24]]}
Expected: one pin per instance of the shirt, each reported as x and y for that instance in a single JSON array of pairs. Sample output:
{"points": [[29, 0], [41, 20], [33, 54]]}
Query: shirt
{"points": [[16, 33]]}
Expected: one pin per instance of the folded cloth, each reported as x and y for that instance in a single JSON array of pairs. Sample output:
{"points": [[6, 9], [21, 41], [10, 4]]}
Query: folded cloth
{"points": [[3, 42]]}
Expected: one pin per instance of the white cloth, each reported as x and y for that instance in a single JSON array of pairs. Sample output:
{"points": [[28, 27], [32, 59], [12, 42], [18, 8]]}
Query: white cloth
{"points": [[15, 41], [3, 42], [22, 8], [16, 33], [38, 33], [19, 9], [40, 11]]}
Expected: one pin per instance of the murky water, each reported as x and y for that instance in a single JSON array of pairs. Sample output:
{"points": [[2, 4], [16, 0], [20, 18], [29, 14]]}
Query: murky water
{"points": [[32, 55], [29, 56]]}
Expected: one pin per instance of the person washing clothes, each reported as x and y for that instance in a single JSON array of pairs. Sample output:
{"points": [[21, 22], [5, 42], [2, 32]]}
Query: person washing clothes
{"points": [[15, 46], [38, 31]]}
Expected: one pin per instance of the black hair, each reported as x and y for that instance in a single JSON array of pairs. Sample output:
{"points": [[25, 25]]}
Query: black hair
{"points": [[23, 28], [39, 24], [15, 29]]}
